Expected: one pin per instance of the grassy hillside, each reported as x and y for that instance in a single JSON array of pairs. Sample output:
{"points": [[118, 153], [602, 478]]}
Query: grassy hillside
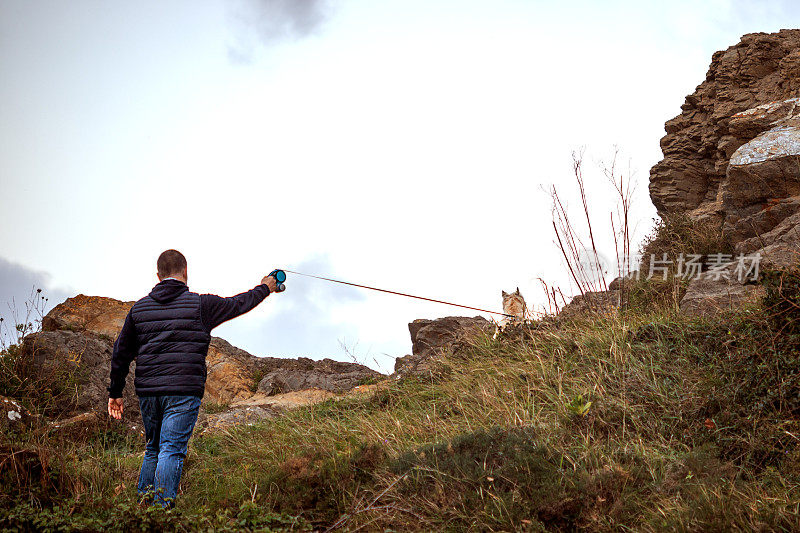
{"points": [[643, 421]]}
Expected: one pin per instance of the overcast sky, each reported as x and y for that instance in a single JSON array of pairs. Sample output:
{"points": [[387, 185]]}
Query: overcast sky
{"points": [[401, 144]]}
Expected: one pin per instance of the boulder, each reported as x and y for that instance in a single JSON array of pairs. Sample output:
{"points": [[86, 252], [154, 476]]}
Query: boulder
{"points": [[592, 303], [762, 186], [432, 337], [286, 375], [450, 333], [81, 364], [720, 291]]}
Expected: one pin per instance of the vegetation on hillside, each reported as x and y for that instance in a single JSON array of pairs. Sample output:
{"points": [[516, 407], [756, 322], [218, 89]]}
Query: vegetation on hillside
{"points": [[646, 420], [641, 420]]}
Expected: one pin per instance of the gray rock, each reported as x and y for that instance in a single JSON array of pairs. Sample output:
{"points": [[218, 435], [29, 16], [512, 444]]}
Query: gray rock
{"points": [[432, 337], [763, 170], [714, 293], [238, 415], [84, 360], [450, 333], [594, 302], [286, 375]]}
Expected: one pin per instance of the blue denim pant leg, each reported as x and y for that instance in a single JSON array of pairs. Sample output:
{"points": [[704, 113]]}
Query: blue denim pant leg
{"points": [[150, 407], [175, 417]]}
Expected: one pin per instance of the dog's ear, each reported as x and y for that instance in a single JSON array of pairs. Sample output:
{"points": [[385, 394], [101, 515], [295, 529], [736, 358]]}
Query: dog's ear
{"points": [[504, 293], [517, 291]]}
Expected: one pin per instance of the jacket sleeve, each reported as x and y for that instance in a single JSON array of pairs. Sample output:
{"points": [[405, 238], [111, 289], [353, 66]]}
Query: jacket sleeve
{"points": [[215, 310], [125, 351]]}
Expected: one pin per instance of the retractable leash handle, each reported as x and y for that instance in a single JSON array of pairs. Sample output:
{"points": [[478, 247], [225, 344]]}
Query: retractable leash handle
{"points": [[280, 277]]}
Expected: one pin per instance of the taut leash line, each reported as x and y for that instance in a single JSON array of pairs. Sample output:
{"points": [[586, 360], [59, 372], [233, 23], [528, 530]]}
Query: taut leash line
{"points": [[397, 293]]}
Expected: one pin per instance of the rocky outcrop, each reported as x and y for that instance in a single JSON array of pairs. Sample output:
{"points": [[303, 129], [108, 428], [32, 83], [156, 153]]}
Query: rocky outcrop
{"points": [[232, 372], [92, 314], [77, 342], [431, 337], [450, 333], [761, 68], [732, 157]]}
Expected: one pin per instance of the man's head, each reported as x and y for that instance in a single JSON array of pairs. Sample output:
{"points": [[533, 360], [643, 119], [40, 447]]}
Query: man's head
{"points": [[172, 264]]}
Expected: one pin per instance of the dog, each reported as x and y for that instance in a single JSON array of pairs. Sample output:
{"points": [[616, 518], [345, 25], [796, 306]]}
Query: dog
{"points": [[513, 306]]}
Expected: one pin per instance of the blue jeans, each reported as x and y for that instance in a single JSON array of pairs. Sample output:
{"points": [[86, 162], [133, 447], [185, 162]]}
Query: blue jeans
{"points": [[168, 424]]}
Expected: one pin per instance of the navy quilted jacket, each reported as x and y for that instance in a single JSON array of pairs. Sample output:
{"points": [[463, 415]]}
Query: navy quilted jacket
{"points": [[168, 333]]}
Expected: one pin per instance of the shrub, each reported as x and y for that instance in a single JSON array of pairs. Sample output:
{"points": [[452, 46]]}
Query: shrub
{"points": [[49, 389], [680, 234]]}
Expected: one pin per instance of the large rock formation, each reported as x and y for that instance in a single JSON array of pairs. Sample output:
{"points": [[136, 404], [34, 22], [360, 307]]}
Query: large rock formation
{"points": [[732, 157], [762, 68], [77, 342]]}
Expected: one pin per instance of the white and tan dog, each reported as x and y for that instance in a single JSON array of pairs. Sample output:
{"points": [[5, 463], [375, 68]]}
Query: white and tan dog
{"points": [[514, 307]]}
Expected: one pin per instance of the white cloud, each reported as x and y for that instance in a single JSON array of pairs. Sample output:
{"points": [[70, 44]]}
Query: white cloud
{"points": [[266, 22]]}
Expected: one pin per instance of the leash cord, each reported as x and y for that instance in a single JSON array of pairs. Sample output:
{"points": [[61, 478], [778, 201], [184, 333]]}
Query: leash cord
{"points": [[397, 293]]}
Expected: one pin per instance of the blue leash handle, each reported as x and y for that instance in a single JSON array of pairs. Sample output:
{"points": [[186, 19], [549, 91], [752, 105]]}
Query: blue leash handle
{"points": [[280, 277]]}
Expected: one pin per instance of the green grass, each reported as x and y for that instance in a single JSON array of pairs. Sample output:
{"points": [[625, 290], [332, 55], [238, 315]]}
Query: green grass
{"points": [[215, 408], [647, 421]]}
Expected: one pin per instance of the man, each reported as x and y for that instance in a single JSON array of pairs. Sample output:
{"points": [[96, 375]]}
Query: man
{"points": [[168, 333]]}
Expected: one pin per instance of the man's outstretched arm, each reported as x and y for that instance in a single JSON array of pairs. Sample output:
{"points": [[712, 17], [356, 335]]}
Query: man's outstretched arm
{"points": [[216, 310]]}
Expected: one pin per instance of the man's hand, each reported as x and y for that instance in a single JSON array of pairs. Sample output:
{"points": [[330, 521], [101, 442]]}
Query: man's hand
{"points": [[270, 282], [115, 408]]}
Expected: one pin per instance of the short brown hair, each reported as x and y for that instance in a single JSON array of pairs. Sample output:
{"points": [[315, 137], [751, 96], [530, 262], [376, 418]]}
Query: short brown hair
{"points": [[170, 262]]}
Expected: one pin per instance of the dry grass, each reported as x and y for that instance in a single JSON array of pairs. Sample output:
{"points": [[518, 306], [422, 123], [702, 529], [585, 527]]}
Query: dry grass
{"points": [[643, 421]]}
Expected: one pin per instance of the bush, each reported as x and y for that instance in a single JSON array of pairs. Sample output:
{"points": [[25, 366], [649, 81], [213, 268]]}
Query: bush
{"points": [[680, 234], [49, 390]]}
